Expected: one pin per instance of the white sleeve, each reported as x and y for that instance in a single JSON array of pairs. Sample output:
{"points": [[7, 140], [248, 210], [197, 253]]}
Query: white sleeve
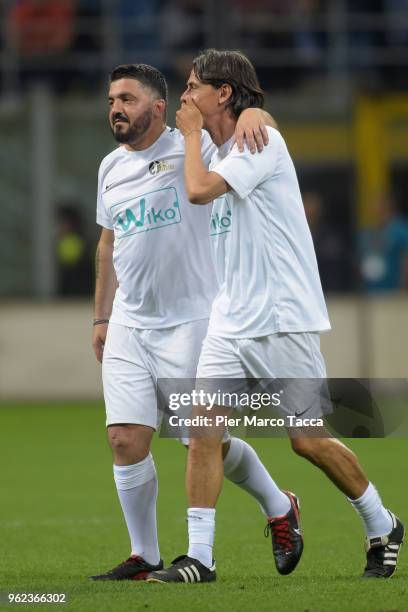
{"points": [[103, 218], [245, 171]]}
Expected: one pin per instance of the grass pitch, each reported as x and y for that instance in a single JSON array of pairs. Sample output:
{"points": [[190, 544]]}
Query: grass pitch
{"points": [[60, 521]]}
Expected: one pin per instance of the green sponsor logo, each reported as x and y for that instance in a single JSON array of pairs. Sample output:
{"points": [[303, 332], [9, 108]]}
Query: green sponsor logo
{"points": [[147, 212], [221, 218]]}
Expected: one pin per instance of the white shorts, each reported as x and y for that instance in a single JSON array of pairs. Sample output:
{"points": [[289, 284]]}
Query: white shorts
{"points": [[133, 360], [294, 355], [281, 356]]}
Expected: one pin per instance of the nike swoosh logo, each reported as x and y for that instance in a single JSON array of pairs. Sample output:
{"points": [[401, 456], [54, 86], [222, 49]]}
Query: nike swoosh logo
{"points": [[298, 531], [299, 413]]}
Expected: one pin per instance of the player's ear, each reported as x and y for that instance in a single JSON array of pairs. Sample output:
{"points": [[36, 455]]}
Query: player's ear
{"points": [[160, 108], [224, 93]]}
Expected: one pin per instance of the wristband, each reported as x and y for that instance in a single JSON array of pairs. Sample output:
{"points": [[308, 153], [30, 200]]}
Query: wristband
{"points": [[100, 321]]}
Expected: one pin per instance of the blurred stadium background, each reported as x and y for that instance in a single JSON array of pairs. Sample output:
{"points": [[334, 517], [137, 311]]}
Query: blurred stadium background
{"points": [[335, 73]]}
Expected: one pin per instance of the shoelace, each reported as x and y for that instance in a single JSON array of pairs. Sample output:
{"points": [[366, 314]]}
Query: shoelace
{"points": [[281, 533]]}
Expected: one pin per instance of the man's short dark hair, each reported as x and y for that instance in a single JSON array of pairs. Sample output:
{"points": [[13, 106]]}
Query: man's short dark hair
{"points": [[219, 67], [145, 74]]}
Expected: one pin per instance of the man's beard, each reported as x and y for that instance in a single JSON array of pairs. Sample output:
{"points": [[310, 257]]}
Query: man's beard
{"points": [[136, 130]]}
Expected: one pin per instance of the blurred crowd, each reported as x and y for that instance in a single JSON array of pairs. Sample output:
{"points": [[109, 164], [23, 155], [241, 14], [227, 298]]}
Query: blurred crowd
{"points": [[70, 42], [73, 44], [383, 249], [73, 251], [373, 261]]}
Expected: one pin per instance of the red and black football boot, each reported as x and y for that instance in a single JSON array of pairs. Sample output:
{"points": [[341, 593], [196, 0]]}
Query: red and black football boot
{"points": [[287, 540], [134, 568]]}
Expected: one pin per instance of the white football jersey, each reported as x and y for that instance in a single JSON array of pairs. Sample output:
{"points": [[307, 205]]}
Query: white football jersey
{"points": [[262, 246], [162, 254]]}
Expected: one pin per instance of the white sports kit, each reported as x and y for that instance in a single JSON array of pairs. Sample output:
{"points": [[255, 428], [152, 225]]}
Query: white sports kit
{"points": [[270, 307], [248, 259], [165, 273]]}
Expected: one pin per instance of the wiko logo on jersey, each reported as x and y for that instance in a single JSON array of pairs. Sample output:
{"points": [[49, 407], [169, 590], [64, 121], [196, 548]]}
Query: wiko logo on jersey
{"points": [[147, 212], [221, 218], [159, 166]]}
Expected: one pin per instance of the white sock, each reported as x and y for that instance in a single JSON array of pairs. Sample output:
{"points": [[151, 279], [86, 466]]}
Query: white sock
{"points": [[377, 520], [201, 528], [243, 467], [137, 490]]}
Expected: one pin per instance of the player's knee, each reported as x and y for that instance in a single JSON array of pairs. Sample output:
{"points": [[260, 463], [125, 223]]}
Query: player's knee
{"points": [[126, 445], [304, 447], [312, 449], [118, 441]]}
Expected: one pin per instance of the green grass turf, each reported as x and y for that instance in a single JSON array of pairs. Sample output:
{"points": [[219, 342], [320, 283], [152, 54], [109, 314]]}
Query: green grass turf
{"points": [[60, 521]]}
